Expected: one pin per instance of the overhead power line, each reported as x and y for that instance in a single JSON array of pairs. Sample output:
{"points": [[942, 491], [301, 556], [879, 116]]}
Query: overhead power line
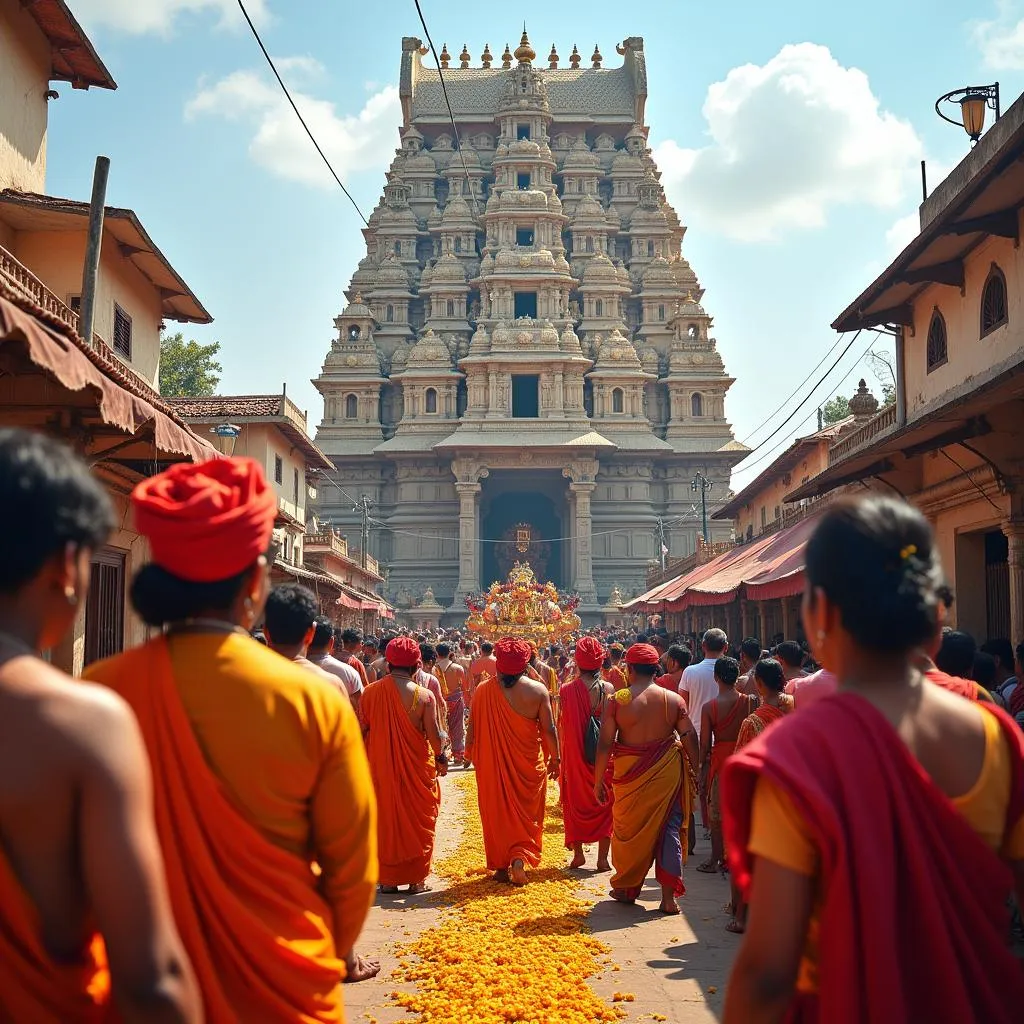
{"points": [[302, 120], [447, 102]]}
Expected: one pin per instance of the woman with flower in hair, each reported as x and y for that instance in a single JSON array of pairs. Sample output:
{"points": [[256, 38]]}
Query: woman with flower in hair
{"points": [[849, 922]]}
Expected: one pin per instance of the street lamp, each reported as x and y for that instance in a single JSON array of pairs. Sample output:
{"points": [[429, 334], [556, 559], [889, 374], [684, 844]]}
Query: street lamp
{"points": [[224, 437], [702, 484], [973, 101]]}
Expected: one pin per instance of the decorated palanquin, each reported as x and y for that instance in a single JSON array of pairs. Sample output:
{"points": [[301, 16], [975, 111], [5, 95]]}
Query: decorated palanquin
{"points": [[523, 607]]}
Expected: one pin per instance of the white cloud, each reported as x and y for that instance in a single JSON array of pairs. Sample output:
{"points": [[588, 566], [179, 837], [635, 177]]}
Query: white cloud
{"points": [[1001, 39], [789, 140], [902, 232], [139, 16], [352, 142]]}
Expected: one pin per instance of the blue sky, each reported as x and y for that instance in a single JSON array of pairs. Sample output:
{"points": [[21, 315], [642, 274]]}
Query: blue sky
{"points": [[789, 135]]}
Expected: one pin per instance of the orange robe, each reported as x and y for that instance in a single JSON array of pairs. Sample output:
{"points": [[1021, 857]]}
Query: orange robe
{"points": [[405, 779], [258, 768], [33, 988], [510, 776]]}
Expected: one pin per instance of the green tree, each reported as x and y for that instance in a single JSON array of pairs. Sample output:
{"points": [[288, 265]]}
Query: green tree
{"points": [[188, 369], [835, 409]]}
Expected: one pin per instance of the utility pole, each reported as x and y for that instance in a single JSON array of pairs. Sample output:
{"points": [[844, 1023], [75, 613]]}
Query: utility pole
{"points": [[661, 541], [94, 242], [365, 501], [702, 484]]}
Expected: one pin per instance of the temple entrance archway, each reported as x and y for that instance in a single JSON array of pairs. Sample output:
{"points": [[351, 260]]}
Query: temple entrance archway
{"points": [[523, 517]]}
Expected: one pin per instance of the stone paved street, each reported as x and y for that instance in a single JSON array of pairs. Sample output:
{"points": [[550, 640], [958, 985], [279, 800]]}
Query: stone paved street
{"points": [[674, 967]]}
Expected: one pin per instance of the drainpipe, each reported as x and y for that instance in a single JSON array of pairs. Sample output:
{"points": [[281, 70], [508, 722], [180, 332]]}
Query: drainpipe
{"points": [[901, 379], [91, 270]]}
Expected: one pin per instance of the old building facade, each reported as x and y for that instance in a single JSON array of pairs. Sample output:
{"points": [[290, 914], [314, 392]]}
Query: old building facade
{"points": [[524, 369]]}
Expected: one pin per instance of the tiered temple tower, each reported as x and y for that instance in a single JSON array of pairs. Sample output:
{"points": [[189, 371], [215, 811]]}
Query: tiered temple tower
{"points": [[523, 370]]}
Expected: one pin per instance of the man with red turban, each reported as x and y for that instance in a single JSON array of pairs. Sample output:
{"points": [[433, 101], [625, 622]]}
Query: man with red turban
{"points": [[511, 734], [655, 755], [404, 747], [264, 805], [585, 819]]}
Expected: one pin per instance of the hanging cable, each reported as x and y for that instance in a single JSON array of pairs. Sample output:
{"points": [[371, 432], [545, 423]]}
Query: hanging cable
{"points": [[302, 120], [447, 103]]}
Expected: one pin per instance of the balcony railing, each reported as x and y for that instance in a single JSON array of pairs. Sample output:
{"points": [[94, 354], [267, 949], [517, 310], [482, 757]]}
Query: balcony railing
{"points": [[328, 539], [678, 566], [878, 424]]}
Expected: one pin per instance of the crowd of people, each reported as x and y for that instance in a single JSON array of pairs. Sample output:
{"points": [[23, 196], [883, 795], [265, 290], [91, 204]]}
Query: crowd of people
{"points": [[198, 829]]}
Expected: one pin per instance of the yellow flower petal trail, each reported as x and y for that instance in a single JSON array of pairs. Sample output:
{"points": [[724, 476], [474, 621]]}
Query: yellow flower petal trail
{"points": [[504, 955]]}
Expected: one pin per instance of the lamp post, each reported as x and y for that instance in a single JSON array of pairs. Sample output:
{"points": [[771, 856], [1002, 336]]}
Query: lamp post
{"points": [[702, 484], [224, 437], [973, 101]]}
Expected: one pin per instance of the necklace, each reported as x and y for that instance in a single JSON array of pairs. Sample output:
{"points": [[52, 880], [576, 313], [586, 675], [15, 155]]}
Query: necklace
{"points": [[200, 624]]}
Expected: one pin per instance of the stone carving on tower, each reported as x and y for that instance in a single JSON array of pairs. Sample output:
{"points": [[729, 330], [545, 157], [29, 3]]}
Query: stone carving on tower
{"points": [[523, 337]]}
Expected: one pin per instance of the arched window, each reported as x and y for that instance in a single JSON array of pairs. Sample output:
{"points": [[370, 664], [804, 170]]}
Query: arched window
{"points": [[691, 331], [993, 302], [697, 405], [398, 248], [458, 245], [351, 407], [589, 246], [450, 308], [598, 307], [618, 400], [650, 248], [389, 313], [430, 400], [353, 332], [937, 353], [661, 312]]}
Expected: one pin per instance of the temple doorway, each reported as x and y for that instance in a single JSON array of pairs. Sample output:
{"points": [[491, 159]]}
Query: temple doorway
{"points": [[523, 519]]}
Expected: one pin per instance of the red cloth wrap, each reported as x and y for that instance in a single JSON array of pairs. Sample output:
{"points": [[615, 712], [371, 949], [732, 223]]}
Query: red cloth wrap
{"points": [[642, 654], [590, 654], [846, 769], [402, 652], [209, 521], [584, 819], [512, 655]]}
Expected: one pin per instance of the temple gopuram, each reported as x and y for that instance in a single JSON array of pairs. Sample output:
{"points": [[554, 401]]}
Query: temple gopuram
{"points": [[524, 371]]}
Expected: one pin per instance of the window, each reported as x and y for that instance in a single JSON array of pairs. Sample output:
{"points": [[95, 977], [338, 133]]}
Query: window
{"points": [[650, 248], [661, 312], [75, 303], [351, 407], [449, 308], [936, 354], [525, 396], [104, 607], [525, 304], [696, 405], [524, 236], [776, 511], [523, 180], [295, 486], [278, 470], [598, 307], [398, 248], [764, 516], [122, 332], [522, 131], [353, 332], [389, 313], [589, 244], [618, 400], [692, 332], [993, 302], [430, 400], [458, 245]]}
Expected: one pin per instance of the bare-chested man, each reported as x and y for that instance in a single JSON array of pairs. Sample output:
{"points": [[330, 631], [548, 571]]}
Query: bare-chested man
{"points": [[79, 851], [509, 725], [655, 749]]}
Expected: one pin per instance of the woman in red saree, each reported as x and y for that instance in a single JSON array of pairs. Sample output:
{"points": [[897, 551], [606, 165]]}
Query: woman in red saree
{"points": [[850, 923], [770, 681]]}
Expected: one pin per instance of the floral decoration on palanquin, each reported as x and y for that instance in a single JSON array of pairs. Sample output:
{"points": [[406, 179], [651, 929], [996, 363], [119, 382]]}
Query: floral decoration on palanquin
{"points": [[524, 607]]}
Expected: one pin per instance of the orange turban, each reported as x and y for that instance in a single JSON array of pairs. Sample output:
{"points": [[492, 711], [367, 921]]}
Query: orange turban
{"points": [[589, 654], [512, 655], [206, 521], [402, 652], [642, 654]]}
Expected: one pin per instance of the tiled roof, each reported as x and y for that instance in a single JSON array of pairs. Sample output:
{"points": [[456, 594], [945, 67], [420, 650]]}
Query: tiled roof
{"points": [[72, 55], [227, 405]]}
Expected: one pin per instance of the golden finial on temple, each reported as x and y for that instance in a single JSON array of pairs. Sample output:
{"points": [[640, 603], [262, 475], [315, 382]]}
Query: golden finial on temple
{"points": [[445, 55], [575, 58], [486, 57], [553, 58], [506, 57], [525, 53], [464, 57], [597, 58]]}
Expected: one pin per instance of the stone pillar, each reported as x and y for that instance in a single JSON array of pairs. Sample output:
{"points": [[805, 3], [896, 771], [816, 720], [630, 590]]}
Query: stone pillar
{"points": [[744, 619], [469, 541], [584, 568], [1014, 531], [762, 622], [786, 623]]}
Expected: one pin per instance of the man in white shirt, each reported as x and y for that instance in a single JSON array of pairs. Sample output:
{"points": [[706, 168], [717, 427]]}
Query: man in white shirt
{"points": [[321, 653], [697, 687]]}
